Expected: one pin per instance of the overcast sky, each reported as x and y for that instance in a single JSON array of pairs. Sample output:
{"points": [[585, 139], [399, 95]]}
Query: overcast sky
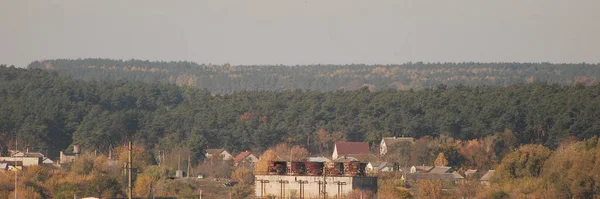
{"points": [[293, 32]]}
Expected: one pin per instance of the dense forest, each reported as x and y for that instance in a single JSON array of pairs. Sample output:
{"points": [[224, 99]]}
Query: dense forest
{"points": [[226, 79], [48, 112]]}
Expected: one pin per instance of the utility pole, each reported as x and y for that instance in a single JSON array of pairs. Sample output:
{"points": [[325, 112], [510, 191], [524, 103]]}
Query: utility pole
{"points": [[189, 166], [282, 184], [302, 182], [339, 184], [262, 187], [320, 183], [129, 173], [325, 182], [16, 168]]}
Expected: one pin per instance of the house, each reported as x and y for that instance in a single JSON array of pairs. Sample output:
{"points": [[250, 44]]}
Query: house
{"points": [[349, 148], [388, 141], [45, 160], [25, 161], [485, 179], [412, 179], [470, 172], [210, 153], [387, 167], [67, 157], [457, 177], [245, 157], [373, 166]]}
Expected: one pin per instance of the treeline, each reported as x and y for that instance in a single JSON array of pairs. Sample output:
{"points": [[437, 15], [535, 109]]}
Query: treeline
{"points": [[225, 79], [48, 112]]}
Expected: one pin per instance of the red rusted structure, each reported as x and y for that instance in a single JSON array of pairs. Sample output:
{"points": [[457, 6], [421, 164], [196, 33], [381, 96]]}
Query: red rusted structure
{"points": [[314, 168], [335, 168], [352, 168], [277, 168], [296, 168]]}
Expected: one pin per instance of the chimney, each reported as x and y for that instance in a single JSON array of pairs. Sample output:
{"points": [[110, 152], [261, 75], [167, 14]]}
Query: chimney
{"points": [[76, 150]]}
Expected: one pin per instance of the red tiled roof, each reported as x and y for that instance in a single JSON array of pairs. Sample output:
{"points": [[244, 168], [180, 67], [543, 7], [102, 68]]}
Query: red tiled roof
{"points": [[345, 148], [241, 156]]}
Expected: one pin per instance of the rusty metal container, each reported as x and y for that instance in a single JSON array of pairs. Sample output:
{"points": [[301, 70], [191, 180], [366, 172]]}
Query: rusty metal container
{"points": [[277, 168], [296, 168], [352, 168], [335, 168], [314, 168]]}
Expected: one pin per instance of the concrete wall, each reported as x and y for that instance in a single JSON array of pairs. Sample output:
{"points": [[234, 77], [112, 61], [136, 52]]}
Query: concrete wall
{"points": [[311, 189]]}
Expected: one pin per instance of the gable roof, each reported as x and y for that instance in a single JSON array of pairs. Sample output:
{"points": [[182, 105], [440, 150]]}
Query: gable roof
{"points": [[318, 159], [27, 154], [387, 164], [488, 175], [346, 159], [391, 140], [240, 157], [457, 175], [346, 148], [218, 152], [440, 170], [424, 176], [424, 168], [376, 164], [470, 172], [212, 151]]}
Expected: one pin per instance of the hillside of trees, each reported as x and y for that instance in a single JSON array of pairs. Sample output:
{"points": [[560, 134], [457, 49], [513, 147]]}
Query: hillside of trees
{"points": [[226, 79], [47, 112]]}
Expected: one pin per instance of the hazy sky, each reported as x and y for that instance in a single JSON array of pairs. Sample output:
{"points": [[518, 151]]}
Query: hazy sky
{"points": [[302, 31]]}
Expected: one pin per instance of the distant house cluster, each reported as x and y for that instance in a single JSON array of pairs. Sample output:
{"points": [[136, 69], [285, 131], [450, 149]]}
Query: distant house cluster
{"points": [[246, 157], [19, 160], [360, 151]]}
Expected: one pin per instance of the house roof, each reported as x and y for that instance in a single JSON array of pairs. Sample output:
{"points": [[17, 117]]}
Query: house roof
{"points": [[240, 157], [387, 164], [318, 159], [376, 164], [27, 154], [487, 175], [212, 151], [68, 154], [439, 170], [48, 160], [346, 159], [424, 168], [391, 140], [423, 176], [470, 172], [217, 152], [346, 148], [457, 175]]}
